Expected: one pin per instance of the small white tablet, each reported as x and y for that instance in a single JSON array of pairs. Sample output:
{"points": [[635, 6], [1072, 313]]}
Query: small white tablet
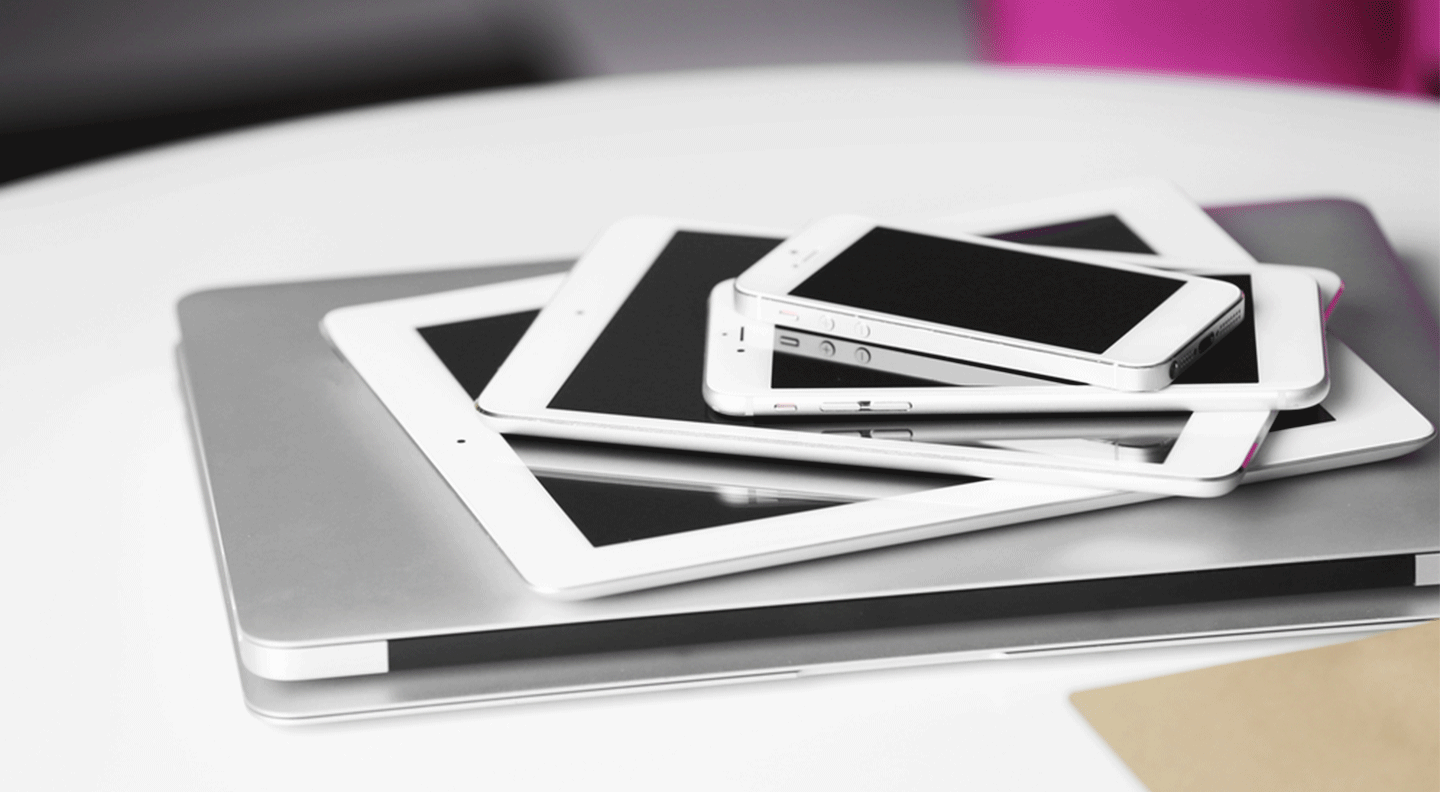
{"points": [[618, 357], [585, 519], [1274, 359]]}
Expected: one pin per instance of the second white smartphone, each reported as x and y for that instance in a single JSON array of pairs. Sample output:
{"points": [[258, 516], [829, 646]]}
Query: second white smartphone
{"points": [[1118, 326], [1275, 359]]}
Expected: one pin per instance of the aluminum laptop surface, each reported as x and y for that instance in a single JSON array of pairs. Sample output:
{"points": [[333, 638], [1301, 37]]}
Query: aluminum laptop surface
{"points": [[334, 534]]}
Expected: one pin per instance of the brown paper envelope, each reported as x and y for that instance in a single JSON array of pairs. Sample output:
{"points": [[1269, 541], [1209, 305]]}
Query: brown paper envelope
{"points": [[1354, 716]]}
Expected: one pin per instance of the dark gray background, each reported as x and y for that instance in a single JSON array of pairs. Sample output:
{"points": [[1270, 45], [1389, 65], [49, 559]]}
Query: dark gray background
{"points": [[86, 78]]}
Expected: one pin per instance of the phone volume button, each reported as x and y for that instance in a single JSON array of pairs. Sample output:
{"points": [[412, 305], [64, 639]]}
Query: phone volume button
{"points": [[840, 407]]}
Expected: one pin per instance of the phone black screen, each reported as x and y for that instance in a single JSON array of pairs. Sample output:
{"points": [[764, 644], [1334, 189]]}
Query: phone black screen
{"points": [[1233, 359], [992, 290]]}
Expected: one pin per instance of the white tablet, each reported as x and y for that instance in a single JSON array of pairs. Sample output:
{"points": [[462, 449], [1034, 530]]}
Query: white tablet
{"points": [[1273, 359], [618, 356], [667, 516], [426, 357]]}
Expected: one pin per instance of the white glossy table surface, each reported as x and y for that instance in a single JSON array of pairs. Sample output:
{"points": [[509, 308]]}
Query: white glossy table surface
{"points": [[116, 651]]}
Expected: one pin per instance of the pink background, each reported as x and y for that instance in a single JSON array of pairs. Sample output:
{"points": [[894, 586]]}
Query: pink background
{"points": [[1371, 44]]}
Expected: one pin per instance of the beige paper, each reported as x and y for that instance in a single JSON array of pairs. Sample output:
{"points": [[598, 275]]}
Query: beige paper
{"points": [[1354, 716]]}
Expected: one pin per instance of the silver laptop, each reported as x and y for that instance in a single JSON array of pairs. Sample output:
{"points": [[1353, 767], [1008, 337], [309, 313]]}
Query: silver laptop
{"points": [[334, 535]]}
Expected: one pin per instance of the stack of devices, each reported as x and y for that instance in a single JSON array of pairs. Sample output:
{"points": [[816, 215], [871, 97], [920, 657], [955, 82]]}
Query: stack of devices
{"points": [[575, 466]]}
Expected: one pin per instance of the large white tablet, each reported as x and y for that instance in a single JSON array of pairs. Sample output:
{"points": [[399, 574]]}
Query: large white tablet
{"points": [[425, 357], [618, 356], [1274, 359]]}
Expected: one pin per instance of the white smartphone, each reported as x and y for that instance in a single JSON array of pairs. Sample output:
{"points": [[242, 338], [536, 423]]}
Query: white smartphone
{"points": [[618, 356], [1119, 326], [1274, 359]]}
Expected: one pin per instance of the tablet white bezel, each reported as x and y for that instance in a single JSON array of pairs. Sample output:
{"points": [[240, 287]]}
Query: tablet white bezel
{"points": [[1372, 422], [381, 342], [1206, 461], [1290, 359], [1140, 359]]}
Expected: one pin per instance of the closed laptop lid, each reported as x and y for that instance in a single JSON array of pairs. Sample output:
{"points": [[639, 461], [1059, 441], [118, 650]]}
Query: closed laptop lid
{"points": [[334, 529]]}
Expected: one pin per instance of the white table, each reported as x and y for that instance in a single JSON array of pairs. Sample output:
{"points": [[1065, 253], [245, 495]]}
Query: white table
{"points": [[117, 653]]}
